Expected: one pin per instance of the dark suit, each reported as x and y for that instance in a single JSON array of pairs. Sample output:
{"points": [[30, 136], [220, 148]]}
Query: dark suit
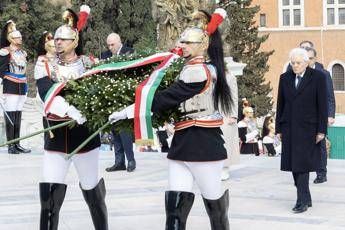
{"points": [[322, 171], [301, 115], [124, 50], [123, 141]]}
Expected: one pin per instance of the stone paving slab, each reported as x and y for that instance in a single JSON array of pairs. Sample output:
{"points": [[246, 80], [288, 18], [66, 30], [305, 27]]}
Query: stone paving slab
{"points": [[261, 196]]}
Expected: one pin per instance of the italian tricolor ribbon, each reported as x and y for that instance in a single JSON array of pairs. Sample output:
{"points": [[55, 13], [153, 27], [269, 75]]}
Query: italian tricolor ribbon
{"points": [[143, 94], [143, 101], [145, 91]]}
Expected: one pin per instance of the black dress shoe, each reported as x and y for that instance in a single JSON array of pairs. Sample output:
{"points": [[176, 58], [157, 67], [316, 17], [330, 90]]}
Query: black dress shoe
{"points": [[12, 149], [300, 208], [298, 204], [21, 149], [131, 166], [320, 179], [116, 167]]}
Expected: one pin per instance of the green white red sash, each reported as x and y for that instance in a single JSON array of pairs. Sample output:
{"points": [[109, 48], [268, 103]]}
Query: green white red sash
{"points": [[143, 102], [143, 95], [52, 92]]}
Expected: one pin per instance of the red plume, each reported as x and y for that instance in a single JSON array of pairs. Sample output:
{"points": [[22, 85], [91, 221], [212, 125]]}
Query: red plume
{"points": [[83, 16], [216, 19], [177, 50]]}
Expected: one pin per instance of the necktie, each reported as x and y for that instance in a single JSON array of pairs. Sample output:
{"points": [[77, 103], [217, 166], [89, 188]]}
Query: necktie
{"points": [[298, 81]]}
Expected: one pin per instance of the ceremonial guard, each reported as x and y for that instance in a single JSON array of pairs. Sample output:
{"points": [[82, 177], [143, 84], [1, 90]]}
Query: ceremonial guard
{"points": [[51, 75], [197, 151], [46, 56], [12, 72]]}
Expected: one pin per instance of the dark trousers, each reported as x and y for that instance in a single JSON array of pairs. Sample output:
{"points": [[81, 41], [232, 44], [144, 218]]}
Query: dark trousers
{"points": [[322, 171], [302, 184], [123, 144]]}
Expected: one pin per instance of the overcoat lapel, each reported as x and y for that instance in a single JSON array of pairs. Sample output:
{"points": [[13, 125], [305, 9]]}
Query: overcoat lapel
{"points": [[291, 83]]}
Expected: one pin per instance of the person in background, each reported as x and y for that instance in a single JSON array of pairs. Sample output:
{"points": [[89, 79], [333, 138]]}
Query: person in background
{"points": [[301, 123], [306, 44], [270, 140], [13, 66], [321, 173], [123, 140], [115, 47], [248, 133]]}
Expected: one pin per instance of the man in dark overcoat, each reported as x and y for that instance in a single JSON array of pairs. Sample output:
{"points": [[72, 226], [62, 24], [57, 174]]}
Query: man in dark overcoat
{"points": [[301, 122]]}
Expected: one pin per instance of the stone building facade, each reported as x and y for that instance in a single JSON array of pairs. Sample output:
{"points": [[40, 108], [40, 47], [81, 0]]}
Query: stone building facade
{"points": [[291, 21]]}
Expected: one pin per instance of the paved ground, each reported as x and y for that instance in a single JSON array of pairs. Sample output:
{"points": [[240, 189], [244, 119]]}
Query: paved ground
{"points": [[261, 196]]}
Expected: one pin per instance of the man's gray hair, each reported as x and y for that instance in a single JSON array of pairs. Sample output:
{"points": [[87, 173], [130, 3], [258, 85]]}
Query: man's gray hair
{"points": [[299, 52]]}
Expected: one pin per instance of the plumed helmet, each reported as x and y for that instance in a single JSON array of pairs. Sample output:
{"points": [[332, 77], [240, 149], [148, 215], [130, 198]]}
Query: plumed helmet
{"points": [[73, 24], [69, 29], [9, 33], [202, 26]]}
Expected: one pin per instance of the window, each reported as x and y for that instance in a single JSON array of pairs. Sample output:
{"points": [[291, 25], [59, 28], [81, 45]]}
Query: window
{"points": [[297, 17], [330, 17], [338, 77], [335, 10], [291, 12], [262, 20]]}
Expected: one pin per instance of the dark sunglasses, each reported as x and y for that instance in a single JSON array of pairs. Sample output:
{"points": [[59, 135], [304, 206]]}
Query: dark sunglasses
{"points": [[187, 42]]}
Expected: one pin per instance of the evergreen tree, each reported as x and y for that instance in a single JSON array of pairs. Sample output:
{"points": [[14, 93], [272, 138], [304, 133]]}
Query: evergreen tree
{"points": [[97, 29], [135, 24], [244, 46], [31, 18], [131, 19]]}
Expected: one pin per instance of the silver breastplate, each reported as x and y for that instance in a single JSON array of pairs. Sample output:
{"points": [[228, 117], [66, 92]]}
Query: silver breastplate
{"points": [[18, 62], [200, 105], [62, 72]]}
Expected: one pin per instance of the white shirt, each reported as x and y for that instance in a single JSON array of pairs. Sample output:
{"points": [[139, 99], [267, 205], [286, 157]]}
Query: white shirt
{"points": [[296, 80]]}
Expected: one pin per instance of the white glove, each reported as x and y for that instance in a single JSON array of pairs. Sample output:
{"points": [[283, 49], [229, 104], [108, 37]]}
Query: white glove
{"points": [[116, 116], [76, 115], [127, 112], [0, 81]]}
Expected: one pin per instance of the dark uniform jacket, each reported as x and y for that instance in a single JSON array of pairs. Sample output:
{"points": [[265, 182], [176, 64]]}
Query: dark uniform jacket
{"points": [[301, 114], [66, 139], [194, 143], [13, 81]]}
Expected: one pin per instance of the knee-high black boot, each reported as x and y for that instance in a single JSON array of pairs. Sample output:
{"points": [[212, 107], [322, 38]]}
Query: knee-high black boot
{"points": [[52, 196], [10, 127], [95, 200], [17, 124], [177, 207], [217, 211]]}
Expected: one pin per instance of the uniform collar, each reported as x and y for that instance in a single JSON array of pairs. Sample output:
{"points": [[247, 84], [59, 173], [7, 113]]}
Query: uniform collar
{"points": [[196, 60]]}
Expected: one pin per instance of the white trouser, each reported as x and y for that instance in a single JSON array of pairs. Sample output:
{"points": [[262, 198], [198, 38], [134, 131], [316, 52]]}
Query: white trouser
{"points": [[55, 167], [14, 102], [207, 176]]}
